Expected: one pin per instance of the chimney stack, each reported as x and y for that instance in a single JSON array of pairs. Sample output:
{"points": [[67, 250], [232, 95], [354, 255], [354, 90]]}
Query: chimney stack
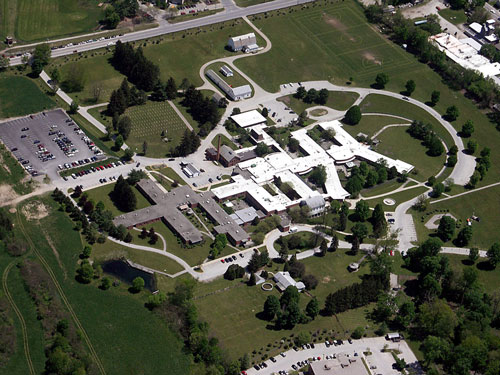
{"points": [[218, 148]]}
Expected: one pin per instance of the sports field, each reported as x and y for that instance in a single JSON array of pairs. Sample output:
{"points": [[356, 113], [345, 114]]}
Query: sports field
{"points": [[328, 41], [32, 20], [21, 96]]}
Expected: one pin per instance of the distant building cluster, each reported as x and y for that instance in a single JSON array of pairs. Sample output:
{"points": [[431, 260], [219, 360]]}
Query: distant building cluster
{"points": [[465, 52]]}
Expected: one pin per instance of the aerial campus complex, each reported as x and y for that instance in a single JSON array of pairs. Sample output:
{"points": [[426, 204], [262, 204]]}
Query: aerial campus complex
{"points": [[241, 187]]}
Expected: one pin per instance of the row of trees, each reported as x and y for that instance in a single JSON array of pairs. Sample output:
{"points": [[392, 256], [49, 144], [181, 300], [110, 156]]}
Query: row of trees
{"points": [[312, 95], [204, 110], [366, 177], [124, 97], [132, 63], [426, 134]]}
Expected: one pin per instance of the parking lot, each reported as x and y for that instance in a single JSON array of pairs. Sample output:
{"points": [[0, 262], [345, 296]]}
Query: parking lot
{"points": [[43, 141]]}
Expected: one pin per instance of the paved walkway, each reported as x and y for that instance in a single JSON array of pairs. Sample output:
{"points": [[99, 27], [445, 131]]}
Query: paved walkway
{"points": [[179, 113]]}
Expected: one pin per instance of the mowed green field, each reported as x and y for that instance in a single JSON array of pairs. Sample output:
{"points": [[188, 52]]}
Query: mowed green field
{"points": [[331, 41], [398, 144], [127, 337], [32, 20], [20, 96], [370, 124], [97, 72], [234, 81], [485, 204]]}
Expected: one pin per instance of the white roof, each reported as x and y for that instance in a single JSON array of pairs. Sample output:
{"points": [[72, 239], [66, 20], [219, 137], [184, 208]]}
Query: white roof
{"points": [[242, 37], [284, 280], [242, 90], [248, 118], [466, 56], [476, 27]]}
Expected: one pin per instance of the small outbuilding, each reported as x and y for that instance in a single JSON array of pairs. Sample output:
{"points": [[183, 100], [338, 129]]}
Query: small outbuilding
{"points": [[240, 42], [284, 280]]}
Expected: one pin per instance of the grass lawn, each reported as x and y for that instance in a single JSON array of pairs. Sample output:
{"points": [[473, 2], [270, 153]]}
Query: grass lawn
{"points": [[223, 141], [374, 103], [398, 144], [336, 99], [98, 73], [399, 197], [385, 187], [134, 340], [484, 204], [111, 250], [102, 193], [249, 333], [188, 17], [324, 41], [12, 173], [170, 173], [20, 96], [369, 125], [234, 81], [456, 17], [32, 20]]}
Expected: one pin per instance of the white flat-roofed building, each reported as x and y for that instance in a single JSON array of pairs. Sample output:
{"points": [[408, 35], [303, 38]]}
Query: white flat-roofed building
{"points": [[250, 118], [476, 27], [237, 43], [235, 93]]}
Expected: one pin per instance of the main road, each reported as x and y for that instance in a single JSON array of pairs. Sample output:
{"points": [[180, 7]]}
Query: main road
{"points": [[230, 13]]}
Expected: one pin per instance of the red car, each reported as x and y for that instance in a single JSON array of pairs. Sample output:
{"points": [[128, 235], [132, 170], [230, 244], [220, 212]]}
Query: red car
{"points": [[222, 260]]}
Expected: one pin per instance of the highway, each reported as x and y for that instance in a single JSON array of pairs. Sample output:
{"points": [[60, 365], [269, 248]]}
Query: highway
{"points": [[230, 13]]}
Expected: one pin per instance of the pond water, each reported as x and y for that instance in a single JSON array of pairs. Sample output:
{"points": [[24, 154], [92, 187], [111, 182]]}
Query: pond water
{"points": [[123, 271]]}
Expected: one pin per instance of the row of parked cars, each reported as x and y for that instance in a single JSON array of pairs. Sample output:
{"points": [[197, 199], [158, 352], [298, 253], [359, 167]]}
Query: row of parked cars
{"points": [[230, 259], [96, 169]]}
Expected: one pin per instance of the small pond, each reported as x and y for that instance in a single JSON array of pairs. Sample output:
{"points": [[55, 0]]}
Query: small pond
{"points": [[123, 271]]}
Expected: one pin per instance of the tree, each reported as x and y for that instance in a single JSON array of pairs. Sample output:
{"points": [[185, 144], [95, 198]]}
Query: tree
{"points": [[128, 238], [318, 175], [322, 96], [311, 96], [127, 156], [452, 113], [464, 236], [262, 149], [354, 185], [85, 273], [467, 129], [40, 59], [252, 281], [362, 210], [410, 87], [378, 221], [353, 115], [435, 146], [310, 281], [493, 254], [471, 146], [87, 251], [473, 254], [453, 150], [334, 245], [435, 96], [289, 296], [406, 314], [451, 161], [359, 231], [123, 195], [4, 63], [118, 142], [138, 284], [73, 107], [265, 112], [300, 93], [171, 89], [271, 307], [117, 104], [358, 333], [105, 283], [437, 318], [124, 126], [437, 190], [302, 118], [446, 228], [302, 338], [74, 80], [381, 80], [312, 308], [111, 18]]}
